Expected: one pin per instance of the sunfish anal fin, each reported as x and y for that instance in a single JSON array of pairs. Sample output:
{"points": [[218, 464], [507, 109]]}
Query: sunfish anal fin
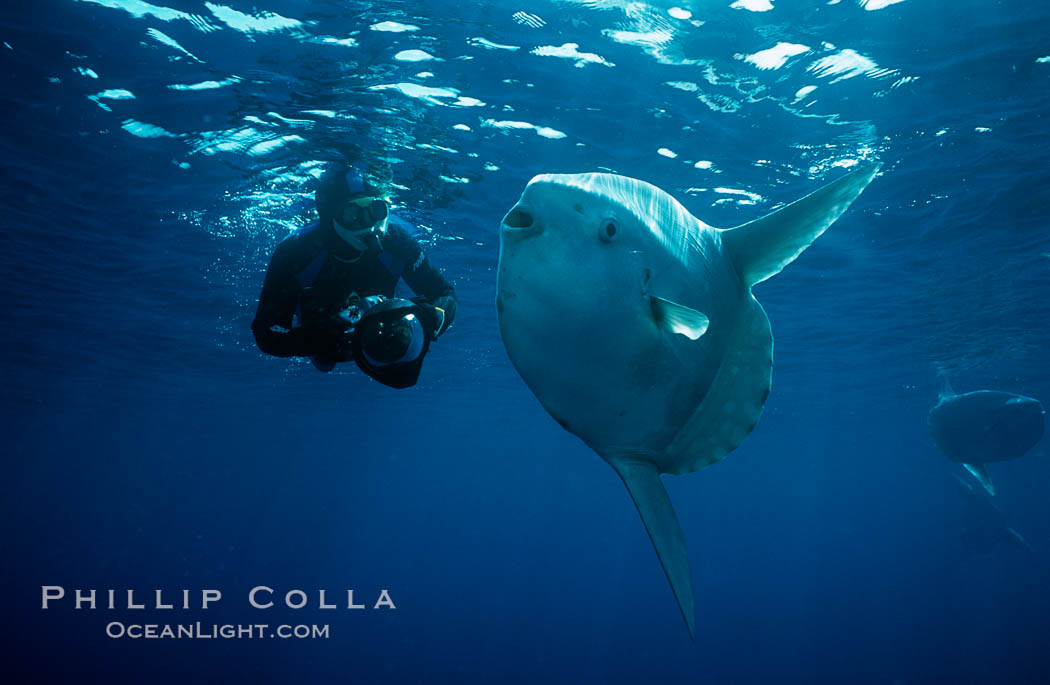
{"points": [[677, 318], [643, 482], [763, 247], [979, 472], [1018, 540]]}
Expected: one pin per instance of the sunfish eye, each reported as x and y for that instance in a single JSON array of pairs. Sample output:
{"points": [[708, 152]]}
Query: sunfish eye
{"points": [[607, 231]]}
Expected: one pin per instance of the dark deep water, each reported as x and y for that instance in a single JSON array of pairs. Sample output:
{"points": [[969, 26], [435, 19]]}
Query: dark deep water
{"points": [[154, 155]]}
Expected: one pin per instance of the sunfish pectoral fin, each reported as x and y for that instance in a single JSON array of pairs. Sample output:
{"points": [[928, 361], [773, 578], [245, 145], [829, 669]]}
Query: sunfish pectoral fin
{"points": [[763, 247], [677, 318], [654, 506], [979, 472]]}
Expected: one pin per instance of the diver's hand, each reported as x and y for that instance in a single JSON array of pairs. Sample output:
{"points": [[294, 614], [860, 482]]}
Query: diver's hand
{"points": [[447, 305], [330, 338], [435, 317], [343, 348]]}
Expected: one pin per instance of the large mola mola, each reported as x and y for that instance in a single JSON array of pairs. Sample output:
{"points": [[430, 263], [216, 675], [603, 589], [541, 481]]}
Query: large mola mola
{"points": [[982, 426], [633, 323]]}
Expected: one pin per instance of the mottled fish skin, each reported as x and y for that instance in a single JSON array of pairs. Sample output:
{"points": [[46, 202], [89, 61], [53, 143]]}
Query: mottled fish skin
{"points": [[650, 382]]}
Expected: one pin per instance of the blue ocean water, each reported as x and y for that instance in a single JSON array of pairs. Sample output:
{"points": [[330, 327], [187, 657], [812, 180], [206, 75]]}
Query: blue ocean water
{"points": [[153, 157]]}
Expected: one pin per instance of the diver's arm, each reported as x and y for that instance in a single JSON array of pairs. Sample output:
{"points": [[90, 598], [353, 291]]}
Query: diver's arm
{"points": [[421, 275], [272, 326]]}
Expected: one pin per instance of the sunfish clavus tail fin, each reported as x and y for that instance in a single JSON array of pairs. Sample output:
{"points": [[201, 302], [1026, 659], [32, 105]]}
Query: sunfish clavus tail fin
{"points": [[761, 248], [643, 482]]}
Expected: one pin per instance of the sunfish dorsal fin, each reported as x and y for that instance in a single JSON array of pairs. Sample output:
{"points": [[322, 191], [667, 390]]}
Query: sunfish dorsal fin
{"points": [[677, 318], [979, 472], [643, 482], [946, 385], [763, 247]]}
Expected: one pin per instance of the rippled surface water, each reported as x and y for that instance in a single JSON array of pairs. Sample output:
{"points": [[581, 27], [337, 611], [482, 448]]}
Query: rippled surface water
{"points": [[154, 155]]}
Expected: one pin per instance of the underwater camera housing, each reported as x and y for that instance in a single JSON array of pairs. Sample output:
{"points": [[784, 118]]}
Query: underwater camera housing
{"points": [[390, 342]]}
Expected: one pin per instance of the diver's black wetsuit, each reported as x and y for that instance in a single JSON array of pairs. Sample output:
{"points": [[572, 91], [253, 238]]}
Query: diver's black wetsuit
{"points": [[313, 273]]}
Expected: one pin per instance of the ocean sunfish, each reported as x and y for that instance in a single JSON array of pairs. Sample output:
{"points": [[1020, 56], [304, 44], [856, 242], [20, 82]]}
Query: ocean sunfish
{"points": [[982, 426], [633, 323]]}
